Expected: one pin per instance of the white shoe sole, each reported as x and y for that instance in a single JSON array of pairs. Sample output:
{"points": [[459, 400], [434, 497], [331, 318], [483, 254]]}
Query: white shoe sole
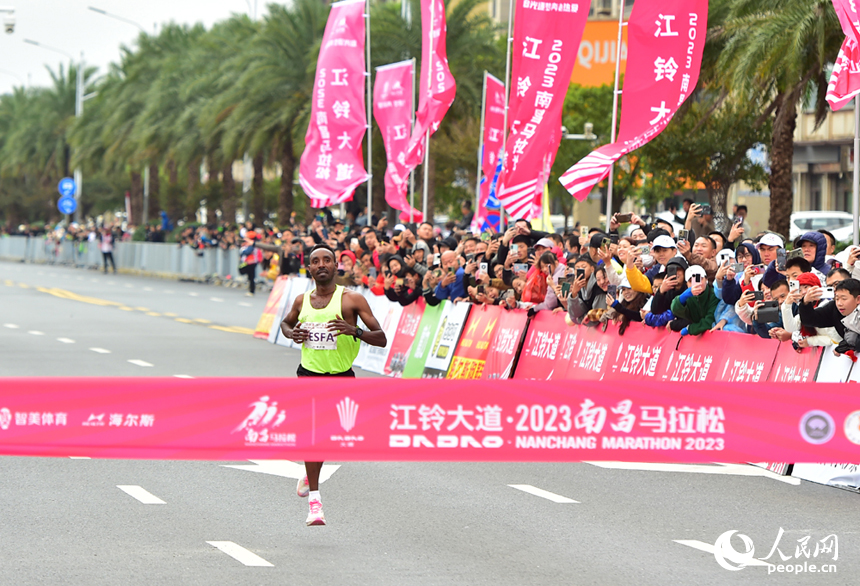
{"points": [[315, 522], [302, 488]]}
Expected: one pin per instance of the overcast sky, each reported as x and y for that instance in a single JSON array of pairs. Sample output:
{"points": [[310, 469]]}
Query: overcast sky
{"points": [[68, 25]]}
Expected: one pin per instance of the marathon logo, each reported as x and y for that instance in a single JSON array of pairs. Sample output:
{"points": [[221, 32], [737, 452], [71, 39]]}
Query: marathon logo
{"points": [[444, 441]]}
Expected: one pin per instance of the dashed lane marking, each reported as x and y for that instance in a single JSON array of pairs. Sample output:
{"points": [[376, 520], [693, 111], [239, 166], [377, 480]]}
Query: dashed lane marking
{"points": [[194, 294], [36, 333], [182, 376], [244, 304], [140, 494], [168, 314], [100, 350], [147, 288], [216, 299], [79, 458], [66, 340], [24, 285], [184, 320], [153, 313], [200, 320], [126, 309], [139, 362], [142, 308], [11, 326], [550, 496], [233, 330], [240, 554]]}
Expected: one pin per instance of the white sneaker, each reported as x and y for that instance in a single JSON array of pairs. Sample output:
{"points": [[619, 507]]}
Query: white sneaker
{"points": [[315, 516], [302, 488]]}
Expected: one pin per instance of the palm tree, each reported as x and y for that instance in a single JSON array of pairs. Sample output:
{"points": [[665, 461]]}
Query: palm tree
{"points": [[780, 49]]}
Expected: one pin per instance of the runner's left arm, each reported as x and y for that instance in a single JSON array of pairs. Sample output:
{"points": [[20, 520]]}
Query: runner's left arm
{"points": [[373, 335]]}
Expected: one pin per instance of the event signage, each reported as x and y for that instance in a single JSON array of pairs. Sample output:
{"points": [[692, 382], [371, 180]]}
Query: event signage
{"points": [[67, 205], [494, 125], [388, 315], [474, 345], [401, 343], [270, 312], [546, 41], [436, 88], [67, 187], [666, 39], [381, 419], [505, 345], [332, 166], [445, 341], [424, 337], [392, 108], [844, 81]]}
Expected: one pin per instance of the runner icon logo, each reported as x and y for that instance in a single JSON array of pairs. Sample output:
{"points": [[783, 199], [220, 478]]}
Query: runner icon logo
{"points": [[724, 552], [817, 427], [347, 411], [852, 427], [5, 418]]}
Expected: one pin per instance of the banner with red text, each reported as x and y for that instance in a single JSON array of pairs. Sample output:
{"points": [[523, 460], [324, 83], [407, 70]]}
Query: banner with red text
{"points": [[270, 312], [537, 359], [844, 81], [471, 354], [399, 346], [665, 42], [436, 89], [545, 46], [381, 419], [494, 128], [332, 166], [505, 345], [392, 108]]}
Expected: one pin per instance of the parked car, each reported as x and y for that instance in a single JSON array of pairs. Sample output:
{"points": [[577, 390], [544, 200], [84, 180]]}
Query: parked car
{"points": [[840, 224]]}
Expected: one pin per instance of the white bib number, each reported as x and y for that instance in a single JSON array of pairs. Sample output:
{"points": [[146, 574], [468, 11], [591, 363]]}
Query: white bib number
{"points": [[320, 336]]}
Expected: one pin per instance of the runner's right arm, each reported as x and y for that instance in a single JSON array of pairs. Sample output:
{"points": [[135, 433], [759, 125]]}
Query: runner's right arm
{"points": [[288, 326]]}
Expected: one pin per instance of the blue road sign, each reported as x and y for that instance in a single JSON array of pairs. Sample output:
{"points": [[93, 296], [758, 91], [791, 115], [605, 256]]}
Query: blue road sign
{"points": [[67, 205], [67, 187]]}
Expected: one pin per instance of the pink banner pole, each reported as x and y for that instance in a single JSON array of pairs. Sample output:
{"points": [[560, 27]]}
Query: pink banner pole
{"points": [[412, 172], [502, 219], [615, 93], [481, 146], [369, 117]]}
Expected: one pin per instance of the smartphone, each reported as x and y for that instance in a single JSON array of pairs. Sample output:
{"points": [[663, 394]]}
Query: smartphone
{"points": [[613, 238], [399, 282], [530, 251], [794, 253], [623, 218], [644, 249], [580, 273], [354, 242], [480, 289], [520, 266], [759, 269], [706, 209], [469, 257], [697, 278], [827, 293], [565, 289], [583, 230], [612, 290], [780, 259], [485, 236], [437, 273], [683, 235], [738, 221], [452, 270], [605, 243], [793, 285], [484, 267], [835, 265], [758, 296], [737, 267]]}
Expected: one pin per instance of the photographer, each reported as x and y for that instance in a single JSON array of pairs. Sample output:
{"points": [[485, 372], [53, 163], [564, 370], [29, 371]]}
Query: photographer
{"points": [[802, 336], [767, 317]]}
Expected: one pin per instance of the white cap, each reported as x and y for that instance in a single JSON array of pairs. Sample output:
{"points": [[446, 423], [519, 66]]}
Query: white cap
{"points": [[664, 241], [771, 240], [625, 284], [724, 255], [545, 242], [400, 227], [694, 270]]}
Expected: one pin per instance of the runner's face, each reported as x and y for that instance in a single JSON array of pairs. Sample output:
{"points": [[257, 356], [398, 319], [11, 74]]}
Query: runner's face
{"points": [[322, 266]]}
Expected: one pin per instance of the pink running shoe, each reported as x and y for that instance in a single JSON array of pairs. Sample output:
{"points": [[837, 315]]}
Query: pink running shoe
{"points": [[302, 488], [315, 516]]}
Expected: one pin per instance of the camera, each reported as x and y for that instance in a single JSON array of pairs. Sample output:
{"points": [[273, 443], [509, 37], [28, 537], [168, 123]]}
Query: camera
{"points": [[9, 23]]}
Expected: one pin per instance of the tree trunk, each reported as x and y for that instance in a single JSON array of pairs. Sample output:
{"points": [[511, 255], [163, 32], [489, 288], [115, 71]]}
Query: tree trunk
{"points": [[257, 198], [431, 188], [781, 158], [718, 197], [192, 196], [172, 173], [288, 168], [136, 197], [154, 193], [228, 206]]}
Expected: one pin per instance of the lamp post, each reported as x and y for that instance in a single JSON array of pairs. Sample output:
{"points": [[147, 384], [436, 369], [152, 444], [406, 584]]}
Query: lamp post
{"points": [[123, 19]]}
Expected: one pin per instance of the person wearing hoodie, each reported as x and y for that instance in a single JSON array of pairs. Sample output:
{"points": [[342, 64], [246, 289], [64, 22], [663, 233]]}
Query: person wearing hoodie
{"points": [[626, 309], [725, 317], [417, 260], [551, 271], [802, 336], [747, 255], [697, 304], [814, 247], [841, 313]]}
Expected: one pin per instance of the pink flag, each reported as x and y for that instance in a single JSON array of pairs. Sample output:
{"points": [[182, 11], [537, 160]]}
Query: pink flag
{"points": [[332, 165], [665, 39], [436, 88], [392, 108], [494, 122], [844, 81], [546, 42]]}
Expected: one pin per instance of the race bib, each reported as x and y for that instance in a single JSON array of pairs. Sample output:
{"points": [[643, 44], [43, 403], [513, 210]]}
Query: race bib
{"points": [[320, 336]]}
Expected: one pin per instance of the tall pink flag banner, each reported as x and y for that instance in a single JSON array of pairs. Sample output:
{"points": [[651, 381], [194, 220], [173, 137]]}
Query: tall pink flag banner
{"points": [[665, 40], [545, 46], [844, 81], [392, 108], [332, 165], [381, 419], [436, 89], [494, 129]]}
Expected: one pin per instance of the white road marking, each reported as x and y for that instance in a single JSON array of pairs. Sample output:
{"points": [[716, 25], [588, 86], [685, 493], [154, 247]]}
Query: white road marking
{"points": [[195, 294], [168, 291], [100, 350], [216, 299], [36, 333], [182, 376], [140, 362], [147, 288], [243, 304], [11, 326], [129, 286], [79, 457], [550, 496], [240, 554], [140, 494], [283, 468], [709, 548], [66, 340], [729, 469]]}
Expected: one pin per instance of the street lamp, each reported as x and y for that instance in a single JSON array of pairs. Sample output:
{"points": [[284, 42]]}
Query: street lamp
{"points": [[9, 19], [79, 111], [588, 133], [123, 19]]}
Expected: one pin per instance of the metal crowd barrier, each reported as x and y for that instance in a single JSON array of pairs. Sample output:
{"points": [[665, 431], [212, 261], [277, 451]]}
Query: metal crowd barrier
{"points": [[151, 258]]}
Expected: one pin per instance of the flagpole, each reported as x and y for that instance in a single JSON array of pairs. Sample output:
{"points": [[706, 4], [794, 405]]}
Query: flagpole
{"points": [[502, 222], [369, 115], [481, 146], [856, 190], [427, 136], [412, 172], [615, 93]]}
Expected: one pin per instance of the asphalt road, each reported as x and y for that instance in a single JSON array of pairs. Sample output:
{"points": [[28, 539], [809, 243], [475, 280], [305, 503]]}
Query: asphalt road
{"points": [[66, 521]]}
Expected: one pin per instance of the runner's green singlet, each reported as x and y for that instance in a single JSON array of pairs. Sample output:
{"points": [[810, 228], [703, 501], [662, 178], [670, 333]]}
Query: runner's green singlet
{"points": [[324, 352]]}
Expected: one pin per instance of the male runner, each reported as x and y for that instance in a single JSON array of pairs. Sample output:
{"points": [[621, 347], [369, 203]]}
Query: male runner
{"points": [[333, 309]]}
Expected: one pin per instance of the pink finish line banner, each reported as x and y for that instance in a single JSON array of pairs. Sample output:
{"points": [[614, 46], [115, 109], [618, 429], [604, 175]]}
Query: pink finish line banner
{"points": [[428, 420]]}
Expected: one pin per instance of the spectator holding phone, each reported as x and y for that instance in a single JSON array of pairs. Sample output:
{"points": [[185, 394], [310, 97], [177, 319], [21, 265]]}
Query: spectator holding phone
{"points": [[766, 315], [585, 293], [804, 336], [452, 285], [551, 271], [672, 285], [626, 308], [725, 316], [814, 247], [663, 249], [842, 314], [703, 253], [768, 245], [697, 304]]}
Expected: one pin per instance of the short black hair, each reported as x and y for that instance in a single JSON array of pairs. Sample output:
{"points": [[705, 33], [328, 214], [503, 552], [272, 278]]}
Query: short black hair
{"points": [[322, 246], [467, 203], [527, 223], [840, 271], [586, 259], [779, 283], [712, 241], [742, 207], [688, 200], [573, 240], [548, 257], [828, 234], [799, 262], [850, 285], [471, 239], [720, 234]]}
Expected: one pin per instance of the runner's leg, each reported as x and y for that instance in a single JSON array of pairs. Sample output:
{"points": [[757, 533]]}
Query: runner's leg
{"points": [[313, 471]]}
